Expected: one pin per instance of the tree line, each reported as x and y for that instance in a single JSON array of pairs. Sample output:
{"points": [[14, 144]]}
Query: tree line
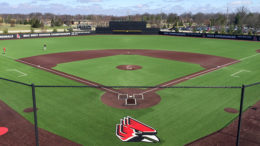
{"points": [[237, 20]]}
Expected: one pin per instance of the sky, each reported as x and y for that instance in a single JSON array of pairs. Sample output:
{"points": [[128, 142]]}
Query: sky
{"points": [[124, 7]]}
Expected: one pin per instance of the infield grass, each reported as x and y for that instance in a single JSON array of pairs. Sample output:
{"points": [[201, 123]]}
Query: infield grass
{"points": [[183, 115], [154, 70]]}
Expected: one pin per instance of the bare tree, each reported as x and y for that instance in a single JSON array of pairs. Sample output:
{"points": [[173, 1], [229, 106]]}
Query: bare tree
{"points": [[1, 20]]}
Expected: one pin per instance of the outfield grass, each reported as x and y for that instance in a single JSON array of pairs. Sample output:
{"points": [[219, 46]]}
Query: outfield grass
{"points": [[154, 72], [226, 48], [78, 114]]}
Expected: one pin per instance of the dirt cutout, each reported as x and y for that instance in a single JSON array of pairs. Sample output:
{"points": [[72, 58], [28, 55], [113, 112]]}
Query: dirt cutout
{"points": [[231, 110], [21, 131], [29, 110]]}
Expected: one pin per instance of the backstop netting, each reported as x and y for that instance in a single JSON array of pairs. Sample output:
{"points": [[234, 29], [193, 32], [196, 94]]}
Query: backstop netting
{"points": [[88, 115], [250, 128], [16, 113]]}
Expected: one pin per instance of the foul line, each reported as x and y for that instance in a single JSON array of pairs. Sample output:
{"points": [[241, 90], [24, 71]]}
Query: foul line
{"points": [[71, 77], [186, 78], [59, 73], [8, 57], [249, 57], [200, 73], [235, 74]]}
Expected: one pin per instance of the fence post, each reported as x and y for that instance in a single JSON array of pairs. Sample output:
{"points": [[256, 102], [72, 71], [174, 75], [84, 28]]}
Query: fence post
{"points": [[240, 114], [35, 116]]}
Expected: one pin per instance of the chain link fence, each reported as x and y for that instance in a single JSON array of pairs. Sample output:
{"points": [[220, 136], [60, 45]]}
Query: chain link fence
{"points": [[212, 105]]}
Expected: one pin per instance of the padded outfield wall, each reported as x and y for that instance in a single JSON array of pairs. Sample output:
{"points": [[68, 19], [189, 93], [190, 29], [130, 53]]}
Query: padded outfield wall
{"points": [[148, 31], [41, 35], [217, 36]]}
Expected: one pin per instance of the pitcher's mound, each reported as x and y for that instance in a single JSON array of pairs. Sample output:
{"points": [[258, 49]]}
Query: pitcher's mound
{"points": [[129, 67]]}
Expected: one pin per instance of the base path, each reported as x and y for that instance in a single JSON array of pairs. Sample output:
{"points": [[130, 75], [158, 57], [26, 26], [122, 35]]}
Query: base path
{"points": [[21, 131], [48, 61], [51, 60]]}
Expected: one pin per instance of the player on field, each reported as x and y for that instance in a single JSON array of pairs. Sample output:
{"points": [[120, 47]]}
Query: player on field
{"points": [[44, 47], [4, 51]]}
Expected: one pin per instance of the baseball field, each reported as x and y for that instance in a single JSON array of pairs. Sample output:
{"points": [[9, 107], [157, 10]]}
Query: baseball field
{"points": [[88, 116]]}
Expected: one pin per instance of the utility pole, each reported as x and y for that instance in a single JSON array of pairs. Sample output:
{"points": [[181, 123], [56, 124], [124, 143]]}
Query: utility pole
{"points": [[128, 15], [161, 19], [227, 15]]}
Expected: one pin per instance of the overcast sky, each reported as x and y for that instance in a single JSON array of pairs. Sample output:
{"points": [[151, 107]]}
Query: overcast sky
{"points": [[124, 7]]}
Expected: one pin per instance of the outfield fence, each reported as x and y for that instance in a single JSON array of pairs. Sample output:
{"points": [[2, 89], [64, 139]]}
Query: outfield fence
{"points": [[215, 36], [148, 31], [43, 35], [243, 98]]}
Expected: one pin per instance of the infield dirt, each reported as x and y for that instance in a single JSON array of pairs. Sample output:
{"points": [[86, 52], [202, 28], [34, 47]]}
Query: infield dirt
{"points": [[47, 62], [224, 137]]}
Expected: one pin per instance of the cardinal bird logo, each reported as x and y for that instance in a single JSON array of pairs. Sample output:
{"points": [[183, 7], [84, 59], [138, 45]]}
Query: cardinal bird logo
{"points": [[131, 130]]}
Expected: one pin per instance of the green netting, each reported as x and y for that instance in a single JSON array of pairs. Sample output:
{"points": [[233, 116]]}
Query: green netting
{"points": [[183, 115], [15, 98], [195, 113], [250, 119]]}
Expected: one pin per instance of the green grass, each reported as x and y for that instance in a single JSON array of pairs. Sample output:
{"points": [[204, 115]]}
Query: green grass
{"points": [[78, 114], [225, 48], [154, 72]]}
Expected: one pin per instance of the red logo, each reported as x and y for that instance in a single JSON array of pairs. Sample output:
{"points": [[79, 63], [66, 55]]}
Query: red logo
{"points": [[131, 130], [3, 130], [18, 36]]}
